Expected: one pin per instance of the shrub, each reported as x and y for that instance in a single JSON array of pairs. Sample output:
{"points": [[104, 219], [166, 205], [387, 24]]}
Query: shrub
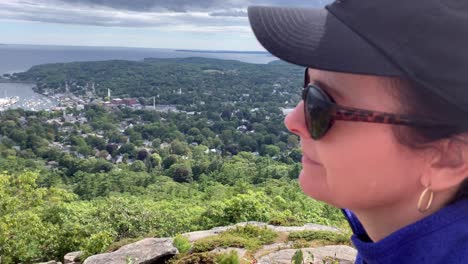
{"points": [[226, 240], [263, 234], [97, 243], [206, 258], [252, 206], [249, 237], [329, 236], [182, 244], [299, 258], [301, 243], [229, 258], [282, 220]]}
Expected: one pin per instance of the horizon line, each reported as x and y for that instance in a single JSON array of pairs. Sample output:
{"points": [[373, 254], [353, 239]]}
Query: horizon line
{"points": [[129, 47]]}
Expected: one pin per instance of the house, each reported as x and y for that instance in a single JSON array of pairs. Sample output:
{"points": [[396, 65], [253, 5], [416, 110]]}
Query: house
{"points": [[166, 108], [82, 120], [125, 101], [119, 159], [242, 128], [164, 145], [212, 151], [147, 143], [22, 120], [52, 163]]}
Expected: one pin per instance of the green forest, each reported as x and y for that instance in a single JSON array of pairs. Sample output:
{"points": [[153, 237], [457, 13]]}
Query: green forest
{"points": [[93, 178]]}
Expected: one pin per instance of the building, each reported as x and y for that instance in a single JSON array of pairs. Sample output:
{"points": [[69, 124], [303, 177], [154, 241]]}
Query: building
{"points": [[125, 101]]}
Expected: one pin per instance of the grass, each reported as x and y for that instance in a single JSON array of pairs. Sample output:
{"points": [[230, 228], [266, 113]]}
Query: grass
{"points": [[285, 221], [205, 257], [249, 237], [208, 258], [326, 237]]}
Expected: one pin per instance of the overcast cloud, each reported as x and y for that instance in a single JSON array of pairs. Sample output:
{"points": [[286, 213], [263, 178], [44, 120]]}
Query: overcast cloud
{"points": [[172, 15]]}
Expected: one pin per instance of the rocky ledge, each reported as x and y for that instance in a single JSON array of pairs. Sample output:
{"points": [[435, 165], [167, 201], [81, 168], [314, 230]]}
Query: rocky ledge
{"points": [[159, 250]]}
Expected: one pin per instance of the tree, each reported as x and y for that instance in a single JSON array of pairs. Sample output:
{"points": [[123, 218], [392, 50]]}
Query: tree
{"points": [[34, 142], [24, 216], [247, 143], [169, 161], [227, 136], [296, 155], [96, 142], [103, 154], [155, 161], [112, 149], [128, 148], [94, 165], [142, 154], [179, 148], [181, 172], [233, 149], [293, 141], [226, 114], [194, 131], [138, 166], [156, 143], [270, 150]]}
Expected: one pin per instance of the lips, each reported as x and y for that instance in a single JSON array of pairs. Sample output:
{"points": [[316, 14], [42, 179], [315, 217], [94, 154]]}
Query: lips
{"points": [[307, 160]]}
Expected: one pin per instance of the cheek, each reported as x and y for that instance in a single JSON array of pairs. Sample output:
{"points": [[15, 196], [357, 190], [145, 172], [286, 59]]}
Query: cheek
{"points": [[365, 167]]}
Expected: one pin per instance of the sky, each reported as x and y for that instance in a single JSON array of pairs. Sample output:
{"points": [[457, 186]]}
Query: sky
{"points": [[173, 24]]}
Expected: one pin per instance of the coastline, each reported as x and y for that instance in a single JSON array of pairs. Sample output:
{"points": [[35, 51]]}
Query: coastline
{"points": [[224, 51], [16, 81]]}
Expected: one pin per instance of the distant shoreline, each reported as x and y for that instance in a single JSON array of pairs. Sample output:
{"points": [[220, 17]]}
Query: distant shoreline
{"points": [[13, 81], [225, 51], [20, 58]]}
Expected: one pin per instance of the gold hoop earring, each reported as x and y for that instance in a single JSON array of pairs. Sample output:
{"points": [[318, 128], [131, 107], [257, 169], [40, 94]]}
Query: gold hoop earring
{"points": [[429, 203]]}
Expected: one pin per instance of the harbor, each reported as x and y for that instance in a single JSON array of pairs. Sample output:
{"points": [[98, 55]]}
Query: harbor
{"points": [[6, 102], [22, 95]]}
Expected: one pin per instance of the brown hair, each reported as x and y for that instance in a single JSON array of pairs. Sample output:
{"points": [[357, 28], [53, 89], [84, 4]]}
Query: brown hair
{"points": [[419, 101]]}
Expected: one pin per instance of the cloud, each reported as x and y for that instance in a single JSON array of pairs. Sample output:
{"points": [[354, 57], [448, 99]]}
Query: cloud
{"points": [[170, 5], [230, 13], [177, 15]]}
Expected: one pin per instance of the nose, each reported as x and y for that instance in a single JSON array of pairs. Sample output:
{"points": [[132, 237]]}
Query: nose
{"points": [[295, 121]]}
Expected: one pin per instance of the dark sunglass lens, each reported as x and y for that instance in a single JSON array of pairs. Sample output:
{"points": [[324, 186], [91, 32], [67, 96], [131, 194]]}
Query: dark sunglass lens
{"points": [[317, 113]]}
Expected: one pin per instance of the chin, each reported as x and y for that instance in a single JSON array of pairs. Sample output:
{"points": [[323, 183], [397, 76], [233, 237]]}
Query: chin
{"points": [[314, 186]]}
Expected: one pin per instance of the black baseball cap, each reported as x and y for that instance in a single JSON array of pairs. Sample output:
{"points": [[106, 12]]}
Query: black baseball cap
{"points": [[422, 40]]}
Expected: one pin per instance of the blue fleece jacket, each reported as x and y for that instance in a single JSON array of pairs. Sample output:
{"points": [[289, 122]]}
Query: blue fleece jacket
{"points": [[439, 238]]}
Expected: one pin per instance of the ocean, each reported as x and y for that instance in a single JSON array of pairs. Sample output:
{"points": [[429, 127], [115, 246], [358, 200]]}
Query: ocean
{"points": [[19, 58]]}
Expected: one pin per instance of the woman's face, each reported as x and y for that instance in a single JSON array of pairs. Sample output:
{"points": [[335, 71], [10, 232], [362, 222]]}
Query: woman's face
{"points": [[360, 165]]}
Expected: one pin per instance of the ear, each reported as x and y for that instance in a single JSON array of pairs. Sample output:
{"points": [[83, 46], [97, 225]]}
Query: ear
{"points": [[448, 166]]}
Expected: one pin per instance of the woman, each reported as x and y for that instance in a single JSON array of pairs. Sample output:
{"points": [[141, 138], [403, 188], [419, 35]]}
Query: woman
{"points": [[383, 123]]}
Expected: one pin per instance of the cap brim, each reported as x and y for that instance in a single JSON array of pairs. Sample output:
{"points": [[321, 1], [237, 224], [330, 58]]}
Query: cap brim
{"points": [[316, 38]]}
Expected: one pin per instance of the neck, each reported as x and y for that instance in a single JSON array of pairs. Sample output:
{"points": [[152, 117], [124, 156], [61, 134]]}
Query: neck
{"points": [[383, 221]]}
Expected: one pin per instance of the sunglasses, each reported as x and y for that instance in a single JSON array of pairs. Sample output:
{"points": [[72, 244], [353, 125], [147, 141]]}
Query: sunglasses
{"points": [[321, 112]]}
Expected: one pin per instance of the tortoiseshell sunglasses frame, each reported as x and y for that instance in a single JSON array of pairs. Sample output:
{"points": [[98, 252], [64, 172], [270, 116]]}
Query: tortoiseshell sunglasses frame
{"points": [[344, 113]]}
